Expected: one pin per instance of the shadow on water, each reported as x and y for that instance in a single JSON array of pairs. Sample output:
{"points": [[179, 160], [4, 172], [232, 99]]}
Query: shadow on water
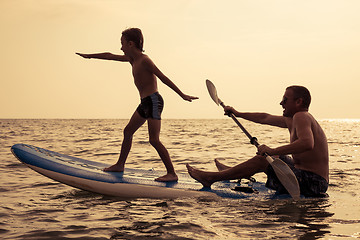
{"points": [[233, 219], [307, 216]]}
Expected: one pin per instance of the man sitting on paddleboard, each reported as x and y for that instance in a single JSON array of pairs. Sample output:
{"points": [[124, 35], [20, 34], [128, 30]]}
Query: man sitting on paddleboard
{"points": [[308, 147], [144, 72]]}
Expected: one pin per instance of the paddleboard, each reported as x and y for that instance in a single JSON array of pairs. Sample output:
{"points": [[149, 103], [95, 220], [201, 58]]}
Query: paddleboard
{"points": [[132, 183]]}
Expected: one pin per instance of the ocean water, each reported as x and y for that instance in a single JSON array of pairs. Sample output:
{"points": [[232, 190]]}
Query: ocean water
{"points": [[35, 207]]}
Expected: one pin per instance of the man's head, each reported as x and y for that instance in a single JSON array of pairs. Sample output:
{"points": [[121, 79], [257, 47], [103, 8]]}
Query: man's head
{"points": [[134, 36], [296, 98]]}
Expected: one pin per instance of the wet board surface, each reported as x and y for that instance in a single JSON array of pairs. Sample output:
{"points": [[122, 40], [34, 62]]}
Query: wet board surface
{"points": [[132, 183]]}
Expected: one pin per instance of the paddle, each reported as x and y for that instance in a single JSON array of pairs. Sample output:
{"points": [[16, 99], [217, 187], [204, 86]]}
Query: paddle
{"points": [[282, 170]]}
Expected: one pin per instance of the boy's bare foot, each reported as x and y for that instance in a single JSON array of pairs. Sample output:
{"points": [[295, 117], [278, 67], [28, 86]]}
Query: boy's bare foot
{"points": [[199, 175], [220, 166], [114, 168], [170, 177]]}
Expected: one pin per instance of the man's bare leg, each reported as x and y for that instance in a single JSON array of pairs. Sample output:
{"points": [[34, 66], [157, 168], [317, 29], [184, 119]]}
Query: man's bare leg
{"points": [[154, 127], [220, 166], [242, 170], [134, 124]]}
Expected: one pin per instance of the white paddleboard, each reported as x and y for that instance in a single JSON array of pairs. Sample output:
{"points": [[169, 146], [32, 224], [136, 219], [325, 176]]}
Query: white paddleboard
{"points": [[132, 183]]}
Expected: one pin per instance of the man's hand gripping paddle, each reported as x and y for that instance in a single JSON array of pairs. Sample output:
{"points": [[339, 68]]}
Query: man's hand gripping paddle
{"points": [[282, 170]]}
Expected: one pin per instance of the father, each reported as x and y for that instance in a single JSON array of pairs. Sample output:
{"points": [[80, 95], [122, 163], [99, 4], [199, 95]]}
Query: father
{"points": [[308, 148]]}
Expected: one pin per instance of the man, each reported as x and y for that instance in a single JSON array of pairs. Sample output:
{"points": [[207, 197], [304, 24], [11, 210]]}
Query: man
{"points": [[308, 147]]}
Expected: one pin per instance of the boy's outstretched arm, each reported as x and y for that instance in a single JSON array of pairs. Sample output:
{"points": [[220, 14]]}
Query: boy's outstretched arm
{"points": [[105, 56], [172, 85], [167, 81]]}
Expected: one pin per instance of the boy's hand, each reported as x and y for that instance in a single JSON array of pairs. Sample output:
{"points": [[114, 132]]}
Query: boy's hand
{"points": [[83, 55], [189, 98]]}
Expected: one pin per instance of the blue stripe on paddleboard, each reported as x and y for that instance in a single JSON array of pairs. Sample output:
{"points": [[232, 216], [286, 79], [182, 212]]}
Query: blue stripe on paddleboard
{"points": [[91, 170], [67, 165]]}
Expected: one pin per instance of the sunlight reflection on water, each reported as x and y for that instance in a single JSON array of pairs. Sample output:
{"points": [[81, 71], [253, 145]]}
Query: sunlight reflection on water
{"points": [[33, 206]]}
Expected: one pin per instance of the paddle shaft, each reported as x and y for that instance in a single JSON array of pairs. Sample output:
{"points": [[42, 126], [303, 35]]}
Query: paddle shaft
{"points": [[253, 140]]}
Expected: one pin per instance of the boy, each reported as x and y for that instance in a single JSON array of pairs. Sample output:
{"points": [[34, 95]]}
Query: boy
{"points": [[144, 72]]}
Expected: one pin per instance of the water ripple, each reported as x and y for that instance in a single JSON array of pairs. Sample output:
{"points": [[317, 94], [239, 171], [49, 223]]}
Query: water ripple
{"points": [[35, 207]]}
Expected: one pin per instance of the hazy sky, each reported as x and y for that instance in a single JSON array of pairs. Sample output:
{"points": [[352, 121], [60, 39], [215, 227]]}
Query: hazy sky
{"points": [[250, 49]]}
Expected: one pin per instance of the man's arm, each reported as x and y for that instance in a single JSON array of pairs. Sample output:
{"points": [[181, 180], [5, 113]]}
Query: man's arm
{"points": [[152, 67], [105, 56], [262, 118], [304, 142]]}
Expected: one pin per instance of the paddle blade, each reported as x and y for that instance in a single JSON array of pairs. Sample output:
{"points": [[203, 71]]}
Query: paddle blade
{"points": [[212, 91], [286, 177]]}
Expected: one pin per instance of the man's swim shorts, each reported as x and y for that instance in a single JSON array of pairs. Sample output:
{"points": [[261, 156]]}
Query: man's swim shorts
{"points": [[311, 184], [151, 106]]}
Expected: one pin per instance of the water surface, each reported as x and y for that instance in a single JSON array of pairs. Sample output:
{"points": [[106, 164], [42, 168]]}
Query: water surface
{"points": [[35, 207]]}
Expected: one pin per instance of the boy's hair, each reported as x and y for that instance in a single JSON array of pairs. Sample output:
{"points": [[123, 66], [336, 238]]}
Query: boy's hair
{"points": [[302, 92], [134, 35]]}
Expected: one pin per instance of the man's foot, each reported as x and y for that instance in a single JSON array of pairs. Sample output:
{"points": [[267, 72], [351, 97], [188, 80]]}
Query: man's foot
{"points": [[170, 177], [199, 175], [220, 166], [114, 168]]}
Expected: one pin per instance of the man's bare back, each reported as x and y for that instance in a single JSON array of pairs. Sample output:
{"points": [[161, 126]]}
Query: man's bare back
{"points": [[315, 160]]}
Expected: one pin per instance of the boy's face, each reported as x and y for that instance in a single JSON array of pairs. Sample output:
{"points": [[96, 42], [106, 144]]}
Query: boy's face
{"points": [[125, 45]]}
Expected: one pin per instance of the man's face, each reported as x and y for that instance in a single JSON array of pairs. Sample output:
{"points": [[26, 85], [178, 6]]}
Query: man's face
{"points": [[289, 103]]}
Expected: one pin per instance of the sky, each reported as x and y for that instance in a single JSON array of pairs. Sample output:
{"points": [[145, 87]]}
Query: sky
{"points": [[250, 49]]}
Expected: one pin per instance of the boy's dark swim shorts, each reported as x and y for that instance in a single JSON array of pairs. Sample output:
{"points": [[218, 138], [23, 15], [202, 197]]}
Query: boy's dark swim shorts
{"points": [[151, 106], [311, 184]]}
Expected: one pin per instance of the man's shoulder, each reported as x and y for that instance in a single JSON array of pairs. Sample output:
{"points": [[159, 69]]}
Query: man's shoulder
{"points": [[304, 116]]}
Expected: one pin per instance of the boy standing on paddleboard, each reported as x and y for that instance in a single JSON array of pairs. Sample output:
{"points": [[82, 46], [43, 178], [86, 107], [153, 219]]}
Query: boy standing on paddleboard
{"points": [[144, 72]]}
